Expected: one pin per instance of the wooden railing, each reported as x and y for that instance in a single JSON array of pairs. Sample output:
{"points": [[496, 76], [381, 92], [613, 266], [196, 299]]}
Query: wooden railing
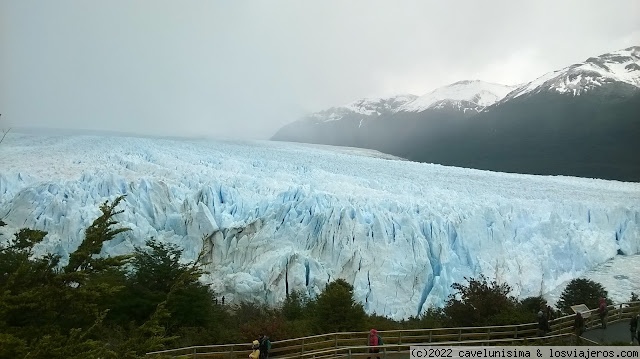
{"points": [[617, 313], [350, 344]]}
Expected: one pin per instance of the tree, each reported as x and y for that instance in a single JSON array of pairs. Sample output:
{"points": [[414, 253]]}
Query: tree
{"points": [[337, 310], [295, 305], [581, 291], [53, 312], [480, 302], [25, 239], [158, 277], [100, 231], [431, 318]]}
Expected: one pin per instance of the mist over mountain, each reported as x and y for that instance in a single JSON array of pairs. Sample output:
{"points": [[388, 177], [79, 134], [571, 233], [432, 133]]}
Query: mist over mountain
{"points": [[582, 120]]}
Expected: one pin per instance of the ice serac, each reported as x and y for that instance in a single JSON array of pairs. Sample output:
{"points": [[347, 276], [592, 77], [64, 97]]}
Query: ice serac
{"points": [[279, 216]]}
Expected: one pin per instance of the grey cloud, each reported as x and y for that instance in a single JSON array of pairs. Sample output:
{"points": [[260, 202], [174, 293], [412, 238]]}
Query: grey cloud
{"points": [[244, 68]]}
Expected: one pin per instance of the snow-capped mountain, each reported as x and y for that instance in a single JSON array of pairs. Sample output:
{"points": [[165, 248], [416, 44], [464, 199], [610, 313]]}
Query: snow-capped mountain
{"points": [[366, 107], [281, 215], [621, 66], [462, 95], [582, 120]]}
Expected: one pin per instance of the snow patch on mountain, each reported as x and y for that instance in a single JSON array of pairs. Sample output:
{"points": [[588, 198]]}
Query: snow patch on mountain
{"points": [[462, 95], [365, 107], [621, 66]]}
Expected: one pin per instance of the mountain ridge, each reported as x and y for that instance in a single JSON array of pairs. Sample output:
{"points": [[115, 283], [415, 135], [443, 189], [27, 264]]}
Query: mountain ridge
{"points": [[582, 120]]}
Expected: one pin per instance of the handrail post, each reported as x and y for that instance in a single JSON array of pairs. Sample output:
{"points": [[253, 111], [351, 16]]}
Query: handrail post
{"points": [[194, 352], [349, 353], [302, 347], [430, 333], [489, 334], [620, 312], [384, 353], [516, 333], [459, 335], [400, 340]]}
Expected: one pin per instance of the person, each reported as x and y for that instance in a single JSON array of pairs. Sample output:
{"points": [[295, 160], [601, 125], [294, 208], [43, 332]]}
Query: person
{"points": [[543, 323], [265, 346], [374, 341], [633, 327], [578, 326], [550, 317], [603, 310], [255, 354]]}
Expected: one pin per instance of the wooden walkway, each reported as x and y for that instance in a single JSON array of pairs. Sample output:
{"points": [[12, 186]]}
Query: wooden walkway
{"points": [[398, 342], [614, 333]]}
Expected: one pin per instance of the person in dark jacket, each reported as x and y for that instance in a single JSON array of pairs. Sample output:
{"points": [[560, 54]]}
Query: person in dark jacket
{"points": [[265, 346], [543, 323], [578, 326], [633, 327]]}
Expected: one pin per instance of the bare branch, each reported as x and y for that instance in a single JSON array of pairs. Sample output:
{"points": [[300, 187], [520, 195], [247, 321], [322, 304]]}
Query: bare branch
{"points": [[4, 132]]}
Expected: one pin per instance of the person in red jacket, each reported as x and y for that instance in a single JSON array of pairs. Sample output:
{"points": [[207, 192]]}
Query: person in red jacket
{"points": [[603, 311], [374, 341]]}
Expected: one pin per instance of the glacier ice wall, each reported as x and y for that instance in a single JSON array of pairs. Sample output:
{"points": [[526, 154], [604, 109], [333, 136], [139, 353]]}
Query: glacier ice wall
{"points": [[278, 215]]}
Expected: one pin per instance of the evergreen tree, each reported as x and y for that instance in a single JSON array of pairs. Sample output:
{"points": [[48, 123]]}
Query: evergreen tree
{"points": [[100, 231], [295, 305], [53, 312], [157, 278], [337, 310], [581, 291]]}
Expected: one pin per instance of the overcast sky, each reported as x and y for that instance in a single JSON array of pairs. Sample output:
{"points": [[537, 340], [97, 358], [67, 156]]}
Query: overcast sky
{"points": [[244, 68]]}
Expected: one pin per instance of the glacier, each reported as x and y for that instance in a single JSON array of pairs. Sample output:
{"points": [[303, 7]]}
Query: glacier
{"points": [[281, 216]]}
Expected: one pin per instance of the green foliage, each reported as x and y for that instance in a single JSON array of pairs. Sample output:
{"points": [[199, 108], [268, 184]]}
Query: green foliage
{"points": [[52, 312], [123, 307], [529, 307], [533, 304], [337, 310], [156, 277], [295, 305], [100, 231], [480, 302], [581, 291], [25, 239], [431, 318], [12, 346], [381, 322], [634, 297]]}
